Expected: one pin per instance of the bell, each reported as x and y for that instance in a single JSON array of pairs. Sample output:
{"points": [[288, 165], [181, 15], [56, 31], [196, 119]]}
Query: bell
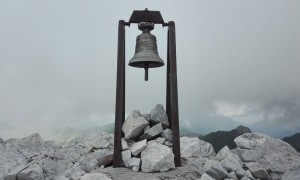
{"points": [[146, 55]]}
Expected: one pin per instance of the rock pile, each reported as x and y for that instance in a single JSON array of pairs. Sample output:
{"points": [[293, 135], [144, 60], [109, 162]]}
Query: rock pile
{"points": [[147, 136], [257, 157], [33, 158]]}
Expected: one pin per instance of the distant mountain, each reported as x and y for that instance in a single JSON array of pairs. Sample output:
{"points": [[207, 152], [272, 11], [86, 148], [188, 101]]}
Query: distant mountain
{"points": [[187, 133], [68, 134], [294, 141], [109, 128], [207, 124], [273, 129], [220, 139]]}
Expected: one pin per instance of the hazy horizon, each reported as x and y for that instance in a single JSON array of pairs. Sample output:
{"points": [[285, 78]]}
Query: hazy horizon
{"points": [[236, 59]]}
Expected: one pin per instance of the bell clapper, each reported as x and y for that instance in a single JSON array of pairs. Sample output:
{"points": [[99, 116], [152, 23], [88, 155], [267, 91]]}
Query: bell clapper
{"points": [[146, 67]]}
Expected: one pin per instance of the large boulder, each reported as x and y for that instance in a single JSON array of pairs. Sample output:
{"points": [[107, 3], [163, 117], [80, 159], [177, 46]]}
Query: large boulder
{"points": [[158, 115], [279, 155], [34, 171], [29, 146], [134, 125], [193, 147], [157, 157], [214, 169]]}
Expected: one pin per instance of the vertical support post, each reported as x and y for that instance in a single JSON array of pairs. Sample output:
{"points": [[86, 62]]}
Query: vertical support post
{"points": [[120, 95], [168, 93], [174, 93]]}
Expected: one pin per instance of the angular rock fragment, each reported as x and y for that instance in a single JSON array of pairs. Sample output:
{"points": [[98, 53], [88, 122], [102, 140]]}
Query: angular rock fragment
{"points": [[32, 172], [206, 177], [158, 115], [134, 125], [134, 162], [126, 156], [193, 147], [257, 171], [167, 134], [138, 147], [216, 171], [124, 144], [104, 157], [160, 140], [223, 153], [153, 132], [168, 143]]}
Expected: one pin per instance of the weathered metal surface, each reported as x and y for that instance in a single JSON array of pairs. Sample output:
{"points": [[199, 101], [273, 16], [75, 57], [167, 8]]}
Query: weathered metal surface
{"points": [[146, 51], [174, 94], [120, 95], [146, 16]]}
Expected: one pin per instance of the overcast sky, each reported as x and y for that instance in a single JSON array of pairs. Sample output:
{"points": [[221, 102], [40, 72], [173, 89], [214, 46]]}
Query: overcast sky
{"points": [[238, 59]]}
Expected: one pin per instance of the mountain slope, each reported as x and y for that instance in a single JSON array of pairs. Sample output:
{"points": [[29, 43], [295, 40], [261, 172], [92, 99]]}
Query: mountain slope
{"points": [[294, 141], [208, 124], [220, 139]]}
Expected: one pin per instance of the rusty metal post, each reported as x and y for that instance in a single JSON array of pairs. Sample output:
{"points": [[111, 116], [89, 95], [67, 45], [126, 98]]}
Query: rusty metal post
{"points": [[173, 93], [168, 93], [120, 95]]}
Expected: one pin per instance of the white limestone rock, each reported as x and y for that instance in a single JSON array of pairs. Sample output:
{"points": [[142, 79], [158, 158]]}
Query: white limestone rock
{"points": [[103, 156], [206, 177], [240, 172], [135, 168], [32, 172], [257, 171], [278, 154], [249, 175], [10, 159], [134, 162], [169, 143], [231, 175], [167, 134], [215, 170], [223, 153], [163, 161], [291, 175], [193, 147], [134, 125], [138, 147], [160, 140], [158, 115], [29, 146], [153, 132], [126, 156], [231, 162], [124, 144], [88, 164]]}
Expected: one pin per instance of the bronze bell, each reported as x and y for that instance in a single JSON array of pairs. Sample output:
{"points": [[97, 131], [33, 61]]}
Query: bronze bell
{"points": [[146, 55]]}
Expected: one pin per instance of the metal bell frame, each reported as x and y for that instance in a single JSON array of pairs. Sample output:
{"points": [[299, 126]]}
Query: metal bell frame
{"points": [[171, 84]]}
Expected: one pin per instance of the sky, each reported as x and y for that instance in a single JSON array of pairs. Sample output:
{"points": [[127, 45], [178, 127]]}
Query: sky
{"points": [[238, 59]]}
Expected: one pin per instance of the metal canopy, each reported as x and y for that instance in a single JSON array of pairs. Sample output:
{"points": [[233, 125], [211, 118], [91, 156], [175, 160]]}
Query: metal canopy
{"points": [[146, 16]]}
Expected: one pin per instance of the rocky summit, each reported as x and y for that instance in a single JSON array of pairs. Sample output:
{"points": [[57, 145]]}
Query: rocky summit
{"points": [[88, 157], [257, 156]]}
